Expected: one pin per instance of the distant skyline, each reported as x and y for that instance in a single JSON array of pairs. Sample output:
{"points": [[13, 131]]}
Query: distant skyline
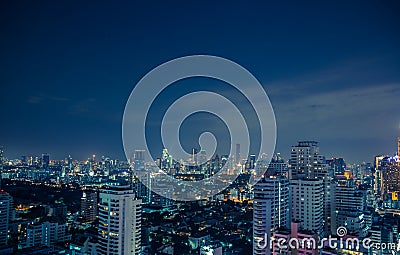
{"points": [[331, 69]]}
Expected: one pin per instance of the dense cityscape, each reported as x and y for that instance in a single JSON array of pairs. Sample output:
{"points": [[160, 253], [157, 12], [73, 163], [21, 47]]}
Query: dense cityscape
{"points": [[199, 127], [99, 206]]}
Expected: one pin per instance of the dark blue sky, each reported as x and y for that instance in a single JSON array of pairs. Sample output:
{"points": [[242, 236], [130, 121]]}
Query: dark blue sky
{"points": [[331, 69]]}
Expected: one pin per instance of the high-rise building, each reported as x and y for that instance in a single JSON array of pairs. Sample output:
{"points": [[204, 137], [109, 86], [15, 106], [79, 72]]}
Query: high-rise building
{"points": [[161, 187], [119, 221], [307, 203], [378, 161], [349, 208], [202, 158], [138, 159], [89, 205], [364, 170], [211, 249], [58, 210], [23, 160], [141, 183], [305, 160], [337, 166], [378, 174], [46, 233], [321, 172], [6, 213], [237, 153], [1, 154], [398, 151], [278, 166], [262, 166], [166, 160], [251, 161], [271, 209], [194, 155], [1, 164], [390, 177], [45, 161]]}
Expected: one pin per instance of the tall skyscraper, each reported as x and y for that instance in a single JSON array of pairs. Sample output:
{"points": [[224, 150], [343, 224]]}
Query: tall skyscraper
{"points": [[166, 160], [194, 155], [141, 182], [1, 164], [119, 222], [304, 160], [306, 163], [45, 161], [251, 161], [398, 151], [262, 166], [202, 158], [337, 166], [308, 203], [390, 177], [378, 174], [278, 166], [89, 205], [1, 154], [271, 210], [138, 159], [349, 208], [6, 212], [237, 153]]}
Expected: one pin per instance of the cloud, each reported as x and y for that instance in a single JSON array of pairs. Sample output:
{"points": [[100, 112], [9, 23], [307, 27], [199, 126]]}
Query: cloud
{"points": [[344, 103], [35, 99], [38, 99], [350, 113], [356, 122], [351, 108], [83, 106]]}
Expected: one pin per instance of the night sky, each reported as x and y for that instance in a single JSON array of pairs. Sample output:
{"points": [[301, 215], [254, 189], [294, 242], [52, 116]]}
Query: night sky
{"points": [[331, 69]]}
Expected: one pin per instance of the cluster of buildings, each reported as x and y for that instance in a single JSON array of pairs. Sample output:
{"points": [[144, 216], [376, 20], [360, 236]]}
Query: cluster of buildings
{"points": [[317, 199], [305, 205]]}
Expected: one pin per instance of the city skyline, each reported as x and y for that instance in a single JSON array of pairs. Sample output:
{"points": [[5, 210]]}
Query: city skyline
{"points": [[332, 76], [200, 128], [285, 154]]}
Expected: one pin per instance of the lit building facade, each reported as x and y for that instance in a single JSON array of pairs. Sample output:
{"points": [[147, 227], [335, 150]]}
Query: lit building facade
{"points": [[6, 213], [46, 233], [349, 207], [270, 209], [89, 205], [307, 203], [389, 177], [119, 222], [398, 151], [304, 160]]}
